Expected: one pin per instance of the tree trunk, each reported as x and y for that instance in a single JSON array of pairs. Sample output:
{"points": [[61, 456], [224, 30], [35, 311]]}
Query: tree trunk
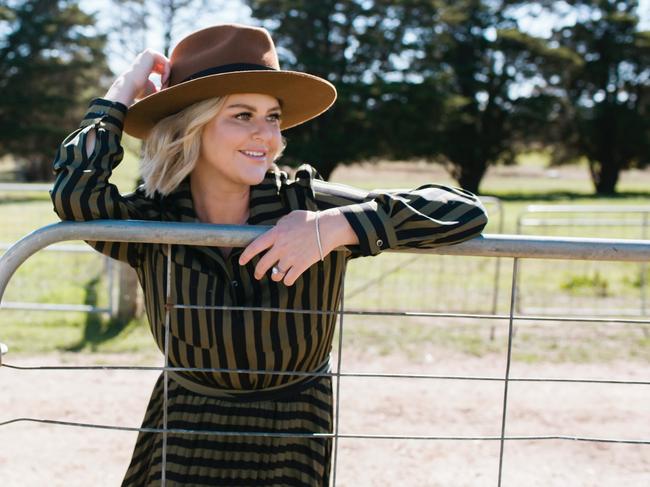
{"points": [[604, 176], [129, 299], [325, 169], [469, 177], [37, 169]]}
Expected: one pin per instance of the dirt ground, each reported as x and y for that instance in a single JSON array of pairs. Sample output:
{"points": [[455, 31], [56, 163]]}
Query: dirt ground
{"points": [[37, 454]]}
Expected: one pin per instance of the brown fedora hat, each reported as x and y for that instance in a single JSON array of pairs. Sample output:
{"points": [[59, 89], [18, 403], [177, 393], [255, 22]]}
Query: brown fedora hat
{"points": [[227, 59]]}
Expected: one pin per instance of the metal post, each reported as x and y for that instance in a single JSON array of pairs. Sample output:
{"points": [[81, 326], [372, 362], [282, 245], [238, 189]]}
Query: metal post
{"points": [[3, 350], [497, 273], [513, 295], [168, 308], [338, 383], [110, 284], [497, 262], [643, 284]]}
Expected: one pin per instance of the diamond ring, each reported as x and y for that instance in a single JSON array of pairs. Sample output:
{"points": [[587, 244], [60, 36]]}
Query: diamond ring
{"points": [[276, 270]]}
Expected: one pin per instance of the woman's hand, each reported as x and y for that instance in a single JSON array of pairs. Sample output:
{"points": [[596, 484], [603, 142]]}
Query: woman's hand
{"points": [[134, 83], [292, 246]]}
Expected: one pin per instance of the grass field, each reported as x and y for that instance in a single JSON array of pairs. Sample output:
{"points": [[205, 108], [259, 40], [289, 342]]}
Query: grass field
{"points": [[391, 281]]}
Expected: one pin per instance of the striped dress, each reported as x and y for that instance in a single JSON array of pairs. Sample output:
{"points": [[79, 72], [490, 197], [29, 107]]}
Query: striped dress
{"points": [[265, 340]]}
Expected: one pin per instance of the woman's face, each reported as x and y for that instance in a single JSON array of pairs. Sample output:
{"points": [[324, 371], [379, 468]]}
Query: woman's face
{"points": [[239, 145]]}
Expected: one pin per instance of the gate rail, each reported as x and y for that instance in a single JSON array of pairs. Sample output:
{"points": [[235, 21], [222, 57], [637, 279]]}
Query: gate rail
{"points": [[516, 247]]}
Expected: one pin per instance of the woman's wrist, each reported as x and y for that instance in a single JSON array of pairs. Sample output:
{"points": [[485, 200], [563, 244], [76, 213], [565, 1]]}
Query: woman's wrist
{"points": [[334, 230], [122, 90]]}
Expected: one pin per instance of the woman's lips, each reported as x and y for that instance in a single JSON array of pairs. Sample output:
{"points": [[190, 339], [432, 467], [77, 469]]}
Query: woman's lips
{"points": [[255, 155]]}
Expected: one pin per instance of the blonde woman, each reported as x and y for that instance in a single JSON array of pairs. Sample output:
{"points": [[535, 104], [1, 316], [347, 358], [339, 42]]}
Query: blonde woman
{"points": [[211, 136]]}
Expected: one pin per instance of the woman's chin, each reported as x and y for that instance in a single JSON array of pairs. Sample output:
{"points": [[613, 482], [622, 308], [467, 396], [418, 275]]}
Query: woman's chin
{"points": [[256, 176]]}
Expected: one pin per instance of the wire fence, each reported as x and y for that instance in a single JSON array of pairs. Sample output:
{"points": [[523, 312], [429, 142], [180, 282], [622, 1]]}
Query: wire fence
{"points": [[621, 290], [408, 281], [514, 247]]}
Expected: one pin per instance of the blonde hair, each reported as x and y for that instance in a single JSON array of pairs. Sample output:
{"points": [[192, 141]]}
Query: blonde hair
{"points": [[173, 146]]}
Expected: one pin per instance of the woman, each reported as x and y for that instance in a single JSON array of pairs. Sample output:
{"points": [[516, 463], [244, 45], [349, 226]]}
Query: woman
{"points": [[212, 134]]}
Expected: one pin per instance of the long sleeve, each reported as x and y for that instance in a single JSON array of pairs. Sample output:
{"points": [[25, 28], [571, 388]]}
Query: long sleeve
{"points": [[427, 217], [82, 190]]}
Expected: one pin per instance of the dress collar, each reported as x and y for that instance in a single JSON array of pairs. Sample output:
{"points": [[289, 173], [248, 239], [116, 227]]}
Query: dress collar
{"points": [[266, 201]]}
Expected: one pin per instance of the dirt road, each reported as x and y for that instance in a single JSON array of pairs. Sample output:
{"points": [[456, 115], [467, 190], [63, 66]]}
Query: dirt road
{"points": [[37, 454]]}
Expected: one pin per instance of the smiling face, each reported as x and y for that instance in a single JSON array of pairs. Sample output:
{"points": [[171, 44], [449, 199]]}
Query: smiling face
{"points": [[241, 142]]}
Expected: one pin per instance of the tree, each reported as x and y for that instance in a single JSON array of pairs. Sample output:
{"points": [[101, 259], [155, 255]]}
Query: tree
{"points": [[50, 65], [353, 44], [134, 19], [604, 90], [416, 79], [476, 57]]}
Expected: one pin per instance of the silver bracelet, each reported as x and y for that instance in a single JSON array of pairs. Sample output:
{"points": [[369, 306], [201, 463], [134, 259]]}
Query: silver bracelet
{"points": [[320, 247]]}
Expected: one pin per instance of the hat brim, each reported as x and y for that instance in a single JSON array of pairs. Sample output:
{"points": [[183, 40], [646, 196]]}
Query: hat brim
{"points": [[303, 97]]}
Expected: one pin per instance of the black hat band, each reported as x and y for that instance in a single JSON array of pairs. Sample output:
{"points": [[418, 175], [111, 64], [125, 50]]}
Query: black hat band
{"points": [[228, 68]]}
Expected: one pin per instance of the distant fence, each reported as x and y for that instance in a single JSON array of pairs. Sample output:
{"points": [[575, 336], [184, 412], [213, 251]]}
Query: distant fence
{"points": [[430, 282], [496, 246], [109, 267], [623, 291]]}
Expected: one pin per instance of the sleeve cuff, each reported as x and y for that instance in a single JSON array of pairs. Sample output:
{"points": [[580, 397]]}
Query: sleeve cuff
{"points": [[372, 226], [110, 114]]}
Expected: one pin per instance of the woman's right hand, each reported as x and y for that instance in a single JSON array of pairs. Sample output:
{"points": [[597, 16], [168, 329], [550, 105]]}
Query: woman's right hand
{"points": [[134, 83]]}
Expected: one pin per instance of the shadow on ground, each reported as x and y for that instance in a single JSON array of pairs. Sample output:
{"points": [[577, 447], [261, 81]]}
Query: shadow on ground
{"points": [[97, 329]]}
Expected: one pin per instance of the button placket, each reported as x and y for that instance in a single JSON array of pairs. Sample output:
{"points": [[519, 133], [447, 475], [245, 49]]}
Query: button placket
{"points": [[234, 283]]}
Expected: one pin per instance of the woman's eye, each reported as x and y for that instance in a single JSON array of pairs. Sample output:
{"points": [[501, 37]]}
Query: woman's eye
{"points": [[244, 116], [275, 117]]}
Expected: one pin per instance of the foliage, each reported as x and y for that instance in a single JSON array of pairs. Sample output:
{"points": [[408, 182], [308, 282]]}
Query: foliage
{"points": [[474, 53], [133, 20], [352, 44], [460, 82], [603, 90], [416, 79], [49, 59]]}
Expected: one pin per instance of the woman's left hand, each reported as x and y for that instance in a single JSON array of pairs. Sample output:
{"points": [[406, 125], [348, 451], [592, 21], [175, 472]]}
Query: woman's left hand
{"points": [[292, 246]]}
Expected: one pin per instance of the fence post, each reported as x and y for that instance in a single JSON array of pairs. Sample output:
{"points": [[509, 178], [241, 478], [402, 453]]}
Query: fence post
{"points": [[129, 301]]}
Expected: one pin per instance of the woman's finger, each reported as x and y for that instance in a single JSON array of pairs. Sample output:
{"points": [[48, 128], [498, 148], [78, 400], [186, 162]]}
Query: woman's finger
{"points": [[282, 272], [149, 88], [268, 260], [292, 275], [160, 65], [258, 245]]}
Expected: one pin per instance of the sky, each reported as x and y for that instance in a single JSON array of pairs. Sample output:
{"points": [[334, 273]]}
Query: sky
{"points": [[236, 11]]}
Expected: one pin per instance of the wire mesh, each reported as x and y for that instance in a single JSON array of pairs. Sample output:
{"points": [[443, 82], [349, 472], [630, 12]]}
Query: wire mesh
{"points": [[338, 374], [620, 289]]}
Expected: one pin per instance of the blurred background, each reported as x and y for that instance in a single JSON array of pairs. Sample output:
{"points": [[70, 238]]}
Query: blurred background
{"points": [[541, 107]]}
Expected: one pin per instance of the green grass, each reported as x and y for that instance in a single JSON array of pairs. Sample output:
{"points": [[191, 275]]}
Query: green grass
{"points": [[416, 337], [387, 282]]}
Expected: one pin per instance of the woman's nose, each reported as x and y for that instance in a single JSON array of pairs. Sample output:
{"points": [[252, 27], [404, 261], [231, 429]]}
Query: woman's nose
{"points": [[263, 130]]}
